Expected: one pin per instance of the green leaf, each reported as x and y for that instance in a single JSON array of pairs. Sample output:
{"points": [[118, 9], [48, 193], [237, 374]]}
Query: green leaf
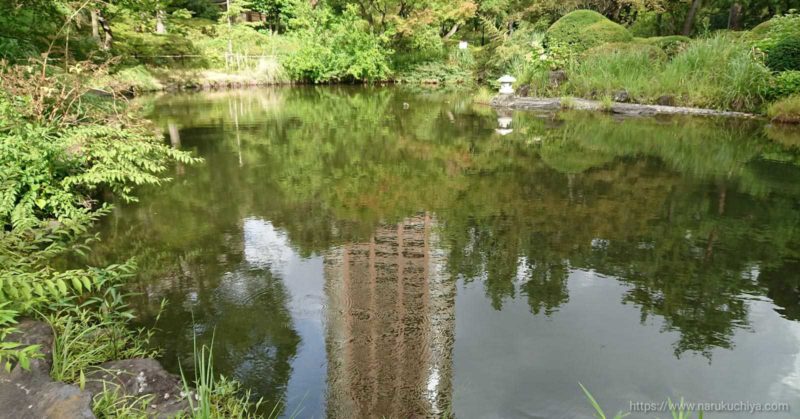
{"points": [[62, 286], [77, 284]]}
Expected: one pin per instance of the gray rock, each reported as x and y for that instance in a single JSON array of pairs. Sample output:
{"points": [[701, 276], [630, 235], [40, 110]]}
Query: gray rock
{"points": [[33, 394], [557, 77], [666, 100], [32, 332], [140, 377], [628, 109], [622, 96]]}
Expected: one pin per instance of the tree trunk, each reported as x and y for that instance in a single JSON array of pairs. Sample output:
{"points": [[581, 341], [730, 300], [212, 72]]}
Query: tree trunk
{"points": [[161, 27], [107, 30], [230, 26], [95, 25], [735, 16], [659, 24], [452, 31], [688, 24]]}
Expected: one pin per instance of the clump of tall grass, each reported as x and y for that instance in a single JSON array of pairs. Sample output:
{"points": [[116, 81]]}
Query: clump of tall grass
{"points": [[217, 397], [483, 96], [94, 332], [677, 410], [110, 403], [786, 110], [602, 72], [718, 72]]}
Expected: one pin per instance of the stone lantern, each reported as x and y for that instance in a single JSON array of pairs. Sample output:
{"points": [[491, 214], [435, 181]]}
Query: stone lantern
{"points": [[505, 85]]}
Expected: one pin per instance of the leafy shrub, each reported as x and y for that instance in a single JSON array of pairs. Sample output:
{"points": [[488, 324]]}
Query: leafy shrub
{"points": [[512, 53], [584, 29], [786, 110], [420, 44], [59, 146], [768, 34], [437, 73], [785, 84], [338, 49], [785, 55]]}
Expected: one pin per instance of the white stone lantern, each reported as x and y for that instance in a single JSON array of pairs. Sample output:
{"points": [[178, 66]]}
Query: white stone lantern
{"points": [[505, 85]]}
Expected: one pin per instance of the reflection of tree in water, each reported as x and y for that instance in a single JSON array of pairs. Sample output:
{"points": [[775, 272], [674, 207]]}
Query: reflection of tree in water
{"points": [[254, 349], [681, 210]]}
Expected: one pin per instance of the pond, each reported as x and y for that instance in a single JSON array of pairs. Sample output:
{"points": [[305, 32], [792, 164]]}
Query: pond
{"points": [[382, 252]]}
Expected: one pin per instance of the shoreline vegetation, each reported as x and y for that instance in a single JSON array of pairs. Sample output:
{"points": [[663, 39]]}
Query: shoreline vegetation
{"points": [[70, 142], [753, 71], [620, 108]]}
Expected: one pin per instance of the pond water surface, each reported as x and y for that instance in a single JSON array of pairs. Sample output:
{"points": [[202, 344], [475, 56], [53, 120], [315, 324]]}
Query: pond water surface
{"points": [[376, 252]]}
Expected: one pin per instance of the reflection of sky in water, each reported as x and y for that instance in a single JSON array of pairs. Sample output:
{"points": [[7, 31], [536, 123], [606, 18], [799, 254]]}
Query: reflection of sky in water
{"points": [[593, 336], [268, 248]]}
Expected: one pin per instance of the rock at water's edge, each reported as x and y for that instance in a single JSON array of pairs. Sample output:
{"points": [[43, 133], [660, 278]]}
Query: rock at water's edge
{"points": [[140, 377], [33, 394]]}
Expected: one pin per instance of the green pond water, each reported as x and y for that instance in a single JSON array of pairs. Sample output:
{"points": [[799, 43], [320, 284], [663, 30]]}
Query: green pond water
{"points": [[379, 252]]}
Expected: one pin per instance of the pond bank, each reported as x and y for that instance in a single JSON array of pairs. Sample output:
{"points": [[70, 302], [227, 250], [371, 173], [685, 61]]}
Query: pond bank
{"points": [[628, 109], [34, 393]]}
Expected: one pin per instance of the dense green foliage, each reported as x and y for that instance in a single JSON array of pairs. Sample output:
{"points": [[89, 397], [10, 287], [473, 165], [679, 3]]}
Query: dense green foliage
{"points": [[785, 55], [786, 83], [60, 148], [719, 72], [340, 48], [584, 29]]}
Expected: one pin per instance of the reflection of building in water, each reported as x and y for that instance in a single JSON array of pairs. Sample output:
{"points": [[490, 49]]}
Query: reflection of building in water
{"points": [[391, 324]]}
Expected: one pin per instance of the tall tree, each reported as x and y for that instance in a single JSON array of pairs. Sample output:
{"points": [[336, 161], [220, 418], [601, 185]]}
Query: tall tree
{"points": [[688, 24]]}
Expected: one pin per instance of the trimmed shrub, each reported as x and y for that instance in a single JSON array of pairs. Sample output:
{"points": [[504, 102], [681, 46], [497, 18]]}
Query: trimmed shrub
{"points": [[671, 45], [653, 52], [584, 29], [785, 84], [785, 55]]}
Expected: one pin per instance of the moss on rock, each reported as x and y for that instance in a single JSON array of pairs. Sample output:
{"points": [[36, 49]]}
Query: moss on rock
{"points": [[584, 29]]}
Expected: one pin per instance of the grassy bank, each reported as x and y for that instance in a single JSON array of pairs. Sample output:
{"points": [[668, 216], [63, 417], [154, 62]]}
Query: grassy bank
{"points": [[739, 71]]}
